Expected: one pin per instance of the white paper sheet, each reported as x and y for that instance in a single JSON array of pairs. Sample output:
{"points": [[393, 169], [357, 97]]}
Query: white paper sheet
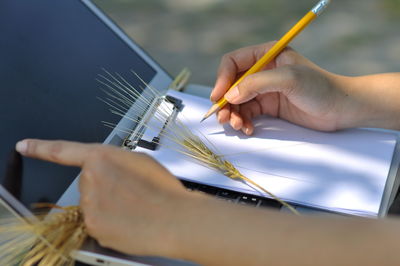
{"points": [[343, 171]]}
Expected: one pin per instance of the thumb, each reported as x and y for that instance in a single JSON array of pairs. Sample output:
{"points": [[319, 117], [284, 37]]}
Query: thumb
{"points": [[274, 80]]}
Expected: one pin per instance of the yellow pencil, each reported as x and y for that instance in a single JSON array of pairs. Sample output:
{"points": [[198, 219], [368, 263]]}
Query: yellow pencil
{"points": [[274, 51]]}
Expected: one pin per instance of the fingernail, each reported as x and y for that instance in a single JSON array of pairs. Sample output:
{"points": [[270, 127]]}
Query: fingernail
{"points": [[211, 96], [22, 146], [248, 131], [232, 94], [245, 130]]}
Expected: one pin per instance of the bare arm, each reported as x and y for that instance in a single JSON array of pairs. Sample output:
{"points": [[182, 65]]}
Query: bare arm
{"points": [[239, 235], [150, 213], [374, 101]]}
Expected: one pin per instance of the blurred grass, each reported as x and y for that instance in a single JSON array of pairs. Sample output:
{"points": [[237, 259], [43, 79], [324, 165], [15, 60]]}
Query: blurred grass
{"points": [[352, 41], [392, 8], [129, 5], [351, 37]]}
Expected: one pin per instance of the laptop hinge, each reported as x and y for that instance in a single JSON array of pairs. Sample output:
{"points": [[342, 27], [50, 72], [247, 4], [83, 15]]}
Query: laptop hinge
{"points": [[181, 80]]}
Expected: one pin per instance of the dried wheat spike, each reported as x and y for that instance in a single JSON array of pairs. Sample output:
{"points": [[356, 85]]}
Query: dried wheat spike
{"points": [[199, 150], [42, 240], [121, 97]]}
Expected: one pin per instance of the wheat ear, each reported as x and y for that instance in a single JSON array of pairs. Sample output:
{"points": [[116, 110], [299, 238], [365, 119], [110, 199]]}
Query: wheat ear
{"points": [[121, 95], [42, 240]]}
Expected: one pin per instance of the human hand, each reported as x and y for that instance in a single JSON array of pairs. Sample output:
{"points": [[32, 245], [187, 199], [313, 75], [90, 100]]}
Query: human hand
{"points": [[129, 201], [290, 87], [132, 204]]}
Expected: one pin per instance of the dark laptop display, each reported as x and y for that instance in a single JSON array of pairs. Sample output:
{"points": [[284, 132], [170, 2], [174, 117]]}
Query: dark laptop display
{"points": [[50, 54]]}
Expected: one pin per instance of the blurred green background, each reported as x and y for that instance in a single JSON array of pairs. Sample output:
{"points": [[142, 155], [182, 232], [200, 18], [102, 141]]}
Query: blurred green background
{"points": [[352, 37]]}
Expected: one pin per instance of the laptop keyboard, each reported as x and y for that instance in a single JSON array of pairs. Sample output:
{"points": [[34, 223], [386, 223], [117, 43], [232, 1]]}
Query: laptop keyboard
{"points": [[251, 200], [233, 196]]}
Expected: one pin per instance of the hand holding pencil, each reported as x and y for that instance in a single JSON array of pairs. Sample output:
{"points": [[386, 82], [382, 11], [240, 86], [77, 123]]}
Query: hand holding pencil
{"points": [[291, 87], [273, 51]]}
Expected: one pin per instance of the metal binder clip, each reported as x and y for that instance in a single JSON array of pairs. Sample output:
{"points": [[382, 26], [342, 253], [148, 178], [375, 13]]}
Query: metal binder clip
{"points": [[146, 137]]}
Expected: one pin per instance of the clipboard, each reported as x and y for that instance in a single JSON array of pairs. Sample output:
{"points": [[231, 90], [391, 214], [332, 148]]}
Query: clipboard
{"points": [[138, 137]]}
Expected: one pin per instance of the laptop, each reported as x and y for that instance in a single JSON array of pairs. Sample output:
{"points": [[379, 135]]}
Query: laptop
{"points": [[50, 55]]}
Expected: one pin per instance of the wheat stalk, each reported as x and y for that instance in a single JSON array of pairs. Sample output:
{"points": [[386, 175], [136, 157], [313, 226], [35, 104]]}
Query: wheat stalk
{"points": [[200, 150], [43, 239], [123, 95], [50, 239]]}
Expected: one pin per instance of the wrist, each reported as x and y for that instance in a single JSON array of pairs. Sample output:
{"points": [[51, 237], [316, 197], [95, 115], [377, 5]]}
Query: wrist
{"points": [[348, 108], [204, 224], [186, 215], [370, 101], [354, 110]]}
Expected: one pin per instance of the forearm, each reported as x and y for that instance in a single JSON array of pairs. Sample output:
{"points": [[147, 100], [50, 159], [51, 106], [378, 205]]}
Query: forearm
{"points": [[220, 233], [371, 101]]}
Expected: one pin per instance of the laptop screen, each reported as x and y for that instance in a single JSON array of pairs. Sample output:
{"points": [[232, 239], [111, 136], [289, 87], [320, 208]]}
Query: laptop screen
{"points": [[50, 55]]}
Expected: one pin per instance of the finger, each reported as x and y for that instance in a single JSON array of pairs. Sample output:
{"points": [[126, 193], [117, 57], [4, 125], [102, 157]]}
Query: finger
{"points": [[281, 79], [254, 108], [233, 63], [89, 178], [248, 127], [224, 114], [236, 120], [269, 104], [248, 111], [222, 84], [62, 152]]}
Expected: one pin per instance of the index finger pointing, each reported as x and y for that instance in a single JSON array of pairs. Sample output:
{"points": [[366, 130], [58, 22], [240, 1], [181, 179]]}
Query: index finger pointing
{"points": [[62, 152]]}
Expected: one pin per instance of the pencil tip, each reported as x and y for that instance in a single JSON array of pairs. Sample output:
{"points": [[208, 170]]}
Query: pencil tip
{"points": [[212, 110]]}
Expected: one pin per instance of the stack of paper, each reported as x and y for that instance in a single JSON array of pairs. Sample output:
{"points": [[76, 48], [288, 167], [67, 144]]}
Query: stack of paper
{"points": [[344, 171]]}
